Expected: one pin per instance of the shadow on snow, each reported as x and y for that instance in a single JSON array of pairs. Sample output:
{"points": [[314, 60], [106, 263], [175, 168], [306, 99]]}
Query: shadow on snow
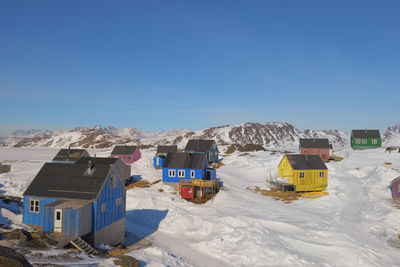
{"points": [[142, 223]]}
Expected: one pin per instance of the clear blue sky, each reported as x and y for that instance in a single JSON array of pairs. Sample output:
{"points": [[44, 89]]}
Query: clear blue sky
{"points": [[157, 65]]}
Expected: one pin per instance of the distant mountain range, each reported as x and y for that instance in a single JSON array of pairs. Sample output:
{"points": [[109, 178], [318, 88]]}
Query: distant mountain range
{"points": [[270, 134]]}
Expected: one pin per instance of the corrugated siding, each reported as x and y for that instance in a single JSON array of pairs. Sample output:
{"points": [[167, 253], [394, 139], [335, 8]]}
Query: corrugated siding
{"points": [[108, 196], [35, 218], [71, 222], [48, 225], [85, 220]]}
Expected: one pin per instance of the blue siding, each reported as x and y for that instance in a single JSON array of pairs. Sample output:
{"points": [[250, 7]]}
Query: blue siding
{"points": [[71, 222], [199, 174], [161, 161], [48, 224], [35, 218], [113, 212]]}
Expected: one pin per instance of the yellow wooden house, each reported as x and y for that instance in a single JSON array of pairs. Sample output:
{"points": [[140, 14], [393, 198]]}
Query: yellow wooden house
{"points": [[305, 172]]}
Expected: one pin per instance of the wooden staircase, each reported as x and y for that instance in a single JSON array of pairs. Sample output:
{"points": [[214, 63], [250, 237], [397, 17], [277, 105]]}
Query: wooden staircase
{"points": [[83, 246]]}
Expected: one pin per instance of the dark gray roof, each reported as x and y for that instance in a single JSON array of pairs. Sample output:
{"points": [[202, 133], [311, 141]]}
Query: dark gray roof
{"points": [[97, 161], [366, 133], [123, 150], [314, 143], [67, 154], [63, 180], [306, 162], [199, 145], [167, 149], [185, 160]]}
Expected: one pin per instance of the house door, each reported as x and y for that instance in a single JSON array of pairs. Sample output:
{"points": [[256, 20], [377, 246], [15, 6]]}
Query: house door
{"points": [[58, 220]]}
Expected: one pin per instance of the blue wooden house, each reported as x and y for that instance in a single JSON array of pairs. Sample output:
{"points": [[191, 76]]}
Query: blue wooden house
{"points": [[179, 166], [84, 200], [209, 147], [70, 155], [161, 155]]}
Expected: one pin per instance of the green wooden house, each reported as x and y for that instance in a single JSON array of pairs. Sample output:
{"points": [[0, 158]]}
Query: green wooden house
{"points": [[365, 139]]}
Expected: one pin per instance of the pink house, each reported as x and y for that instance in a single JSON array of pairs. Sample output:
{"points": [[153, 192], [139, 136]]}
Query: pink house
{"points": [[128, 154]]}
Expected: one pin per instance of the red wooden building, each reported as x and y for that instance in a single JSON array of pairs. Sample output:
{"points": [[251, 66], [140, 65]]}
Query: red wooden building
{"points": [[314, 146]]}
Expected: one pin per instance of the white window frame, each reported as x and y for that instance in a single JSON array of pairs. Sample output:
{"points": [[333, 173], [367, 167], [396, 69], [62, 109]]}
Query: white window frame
{"points": [[103, 207], [358, 141], [181, 173], [34, 205], [192, 174], [305, 151], [302, 174], [374, 141], [323, 151], [321, 175], [364, 141], [314, 151], [171, 173]]}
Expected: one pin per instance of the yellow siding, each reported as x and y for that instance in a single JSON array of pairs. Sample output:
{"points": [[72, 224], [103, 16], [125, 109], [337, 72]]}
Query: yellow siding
{"points": [[311, 180]]}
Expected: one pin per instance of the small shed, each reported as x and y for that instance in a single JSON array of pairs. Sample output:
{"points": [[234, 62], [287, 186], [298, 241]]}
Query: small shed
{"points": [[159, 161], [68, 155], [395, 188], [128, 154]]}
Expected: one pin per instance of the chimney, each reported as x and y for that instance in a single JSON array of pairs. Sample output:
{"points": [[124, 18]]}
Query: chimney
{"points": [[90, 167]]}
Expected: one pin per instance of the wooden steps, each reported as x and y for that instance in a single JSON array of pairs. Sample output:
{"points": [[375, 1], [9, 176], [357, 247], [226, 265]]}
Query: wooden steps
{"points": [[83, 246]]}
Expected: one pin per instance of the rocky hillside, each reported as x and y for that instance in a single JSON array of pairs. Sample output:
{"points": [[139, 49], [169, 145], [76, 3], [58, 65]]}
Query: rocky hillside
{"points": [[271, 134], [391, 137]]}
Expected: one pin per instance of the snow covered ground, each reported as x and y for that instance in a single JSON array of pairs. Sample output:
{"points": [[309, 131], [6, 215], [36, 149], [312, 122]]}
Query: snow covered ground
{"points": [[353, 225]]}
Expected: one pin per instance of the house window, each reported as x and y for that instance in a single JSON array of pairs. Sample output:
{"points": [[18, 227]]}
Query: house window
{"points": [[374, 141], [171, 173], [103, 207], [399, 188], [128, 158], [321, 174], [357, 141], [314, 151], [301, 174], [181, 173], [118, 201], [34, 206], [113, 181], [305, 151], [323, 151], [192, 174], [364, 141]]}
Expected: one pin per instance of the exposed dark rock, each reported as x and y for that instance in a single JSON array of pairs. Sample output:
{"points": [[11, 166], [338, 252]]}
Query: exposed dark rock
{"points": [[127, 261], [18, 234], [10, 258], [245, 148]]}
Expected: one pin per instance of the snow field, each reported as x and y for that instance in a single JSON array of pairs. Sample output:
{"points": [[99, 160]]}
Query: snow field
{"points": [[350, 226]]}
